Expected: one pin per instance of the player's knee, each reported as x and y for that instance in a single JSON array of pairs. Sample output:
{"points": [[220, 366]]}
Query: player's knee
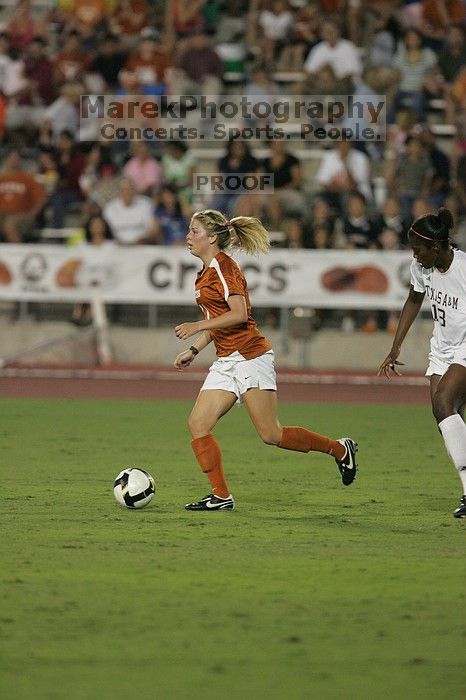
{"points": [[197, 426], [442, 405], [270, 436]]}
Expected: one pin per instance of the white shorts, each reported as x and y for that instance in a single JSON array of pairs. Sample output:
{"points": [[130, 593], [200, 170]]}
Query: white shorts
{"points": [[236, 374], [439, 363]]}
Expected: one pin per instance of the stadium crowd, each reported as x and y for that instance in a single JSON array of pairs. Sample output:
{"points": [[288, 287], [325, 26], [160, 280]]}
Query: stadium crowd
{"points": [[131, 192]]}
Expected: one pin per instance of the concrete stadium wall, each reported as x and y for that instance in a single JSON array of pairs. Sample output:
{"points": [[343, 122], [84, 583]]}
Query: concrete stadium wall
{"points": [[58, 343]]}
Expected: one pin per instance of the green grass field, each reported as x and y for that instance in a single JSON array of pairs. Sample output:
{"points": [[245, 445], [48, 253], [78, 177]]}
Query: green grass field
{"points": [[307, 590]]}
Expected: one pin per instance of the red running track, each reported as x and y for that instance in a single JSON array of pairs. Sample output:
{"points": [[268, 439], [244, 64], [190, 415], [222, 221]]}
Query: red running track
{"points": [[153, 383]]}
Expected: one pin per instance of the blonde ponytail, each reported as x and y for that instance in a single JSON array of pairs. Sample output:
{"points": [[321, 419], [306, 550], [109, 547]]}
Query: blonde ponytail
{"points": [[250, 234], [242, 232]]}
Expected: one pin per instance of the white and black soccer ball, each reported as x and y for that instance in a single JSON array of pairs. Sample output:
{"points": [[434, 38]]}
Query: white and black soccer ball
{"points": [[134, 488]]}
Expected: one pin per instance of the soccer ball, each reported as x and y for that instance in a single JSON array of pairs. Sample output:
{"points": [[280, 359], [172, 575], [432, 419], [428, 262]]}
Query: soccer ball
{"points": [[134, 488]]}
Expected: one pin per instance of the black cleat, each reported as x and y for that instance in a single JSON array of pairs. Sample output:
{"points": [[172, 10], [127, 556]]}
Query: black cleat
{"points": [[460, 512], [212, 502], [348, 465]]}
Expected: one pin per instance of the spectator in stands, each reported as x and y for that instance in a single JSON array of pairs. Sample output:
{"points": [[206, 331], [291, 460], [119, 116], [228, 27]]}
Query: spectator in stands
{"points": [[109, 61], [21, 200], [437, 16], [97, 179], [143, 169], [71, 162], [47, 168], [178, 166], [182, 20], [170, 217], [293, 229], [342, 170], [130, 217], [97, 233], [261, 87], [452, 56], [15, 83], [389, 239], [147, 67], [287, 182], [389, 217], [341, 54], [237, 159], [413, 62], [63, 113], [411, 13], [232, 23], [357, 226], [456, 107], [275, 25], [410, 175], [23, 26], [28, 84], [321, 238], [382, 42], [72, 62], [305, 34], [326, 83], [439, 186], [322, 218], [398, 132], [358, 231], [199, 70], [87, 15], [38, 71], [128, 20]]}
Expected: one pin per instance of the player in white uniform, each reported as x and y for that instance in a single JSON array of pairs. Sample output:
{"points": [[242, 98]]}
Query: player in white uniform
{"points": [[439, 271]]}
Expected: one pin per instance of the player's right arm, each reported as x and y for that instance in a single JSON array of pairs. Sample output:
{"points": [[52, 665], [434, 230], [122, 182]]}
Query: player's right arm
{"points": [[409, 312], [185, 358]]}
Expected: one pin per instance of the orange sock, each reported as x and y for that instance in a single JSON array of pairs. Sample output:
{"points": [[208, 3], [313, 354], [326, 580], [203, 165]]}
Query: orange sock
{"points": [[303, 440], [209, 456]]}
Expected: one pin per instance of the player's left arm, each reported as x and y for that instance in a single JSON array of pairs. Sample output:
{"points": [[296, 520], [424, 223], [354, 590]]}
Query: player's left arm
{"points": [[237, 314]]}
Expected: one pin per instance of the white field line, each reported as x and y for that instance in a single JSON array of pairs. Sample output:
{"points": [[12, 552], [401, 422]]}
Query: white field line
{"points": [[168, 375]]}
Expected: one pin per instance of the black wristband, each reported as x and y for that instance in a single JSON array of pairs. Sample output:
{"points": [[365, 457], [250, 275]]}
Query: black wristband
{"points": [[194, 350]]}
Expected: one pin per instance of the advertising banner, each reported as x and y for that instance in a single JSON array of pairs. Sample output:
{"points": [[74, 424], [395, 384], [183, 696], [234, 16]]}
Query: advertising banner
{"points": [[162, 275]]}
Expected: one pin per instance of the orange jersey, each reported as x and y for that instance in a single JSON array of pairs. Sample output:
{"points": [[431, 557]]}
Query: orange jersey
{"points": [[19, 193], [214, 284]]}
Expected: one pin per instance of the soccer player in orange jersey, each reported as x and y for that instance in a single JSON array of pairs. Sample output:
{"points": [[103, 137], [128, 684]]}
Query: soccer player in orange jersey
{"points": [[244, 369]]}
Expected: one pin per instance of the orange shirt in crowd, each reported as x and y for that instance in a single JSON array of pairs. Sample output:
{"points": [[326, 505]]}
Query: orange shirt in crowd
{"points": [[20, 193], [131, 16], [70, 65], [89, 12], [214, 284]]}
